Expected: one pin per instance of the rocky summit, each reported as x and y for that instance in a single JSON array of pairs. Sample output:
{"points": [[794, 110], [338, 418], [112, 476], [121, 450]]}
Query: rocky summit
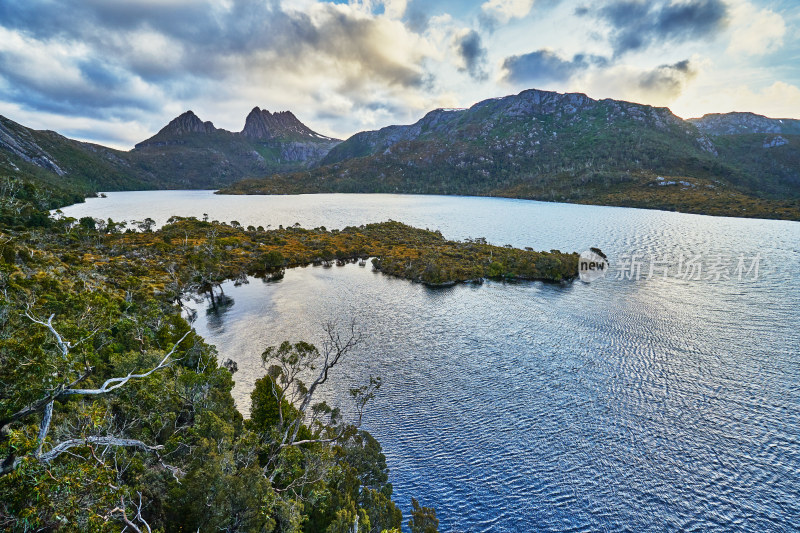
{"points": [[263, 125], [186, 124]]}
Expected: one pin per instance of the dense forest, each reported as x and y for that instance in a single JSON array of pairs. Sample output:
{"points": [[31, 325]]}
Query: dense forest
{"points": [[115, 414]]}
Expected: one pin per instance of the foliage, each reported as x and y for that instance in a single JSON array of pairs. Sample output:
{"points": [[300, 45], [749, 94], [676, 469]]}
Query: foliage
{"points": [[199, 466], [113, 411], [423, 519]]}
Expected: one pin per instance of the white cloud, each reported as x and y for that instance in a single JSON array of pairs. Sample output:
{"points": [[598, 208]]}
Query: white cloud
{"points": [[755, 31], [504, 10], [778, 100], [395, 8]]}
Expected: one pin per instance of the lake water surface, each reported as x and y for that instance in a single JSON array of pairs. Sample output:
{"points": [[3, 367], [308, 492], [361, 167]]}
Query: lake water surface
{"points": [[663, 403]]}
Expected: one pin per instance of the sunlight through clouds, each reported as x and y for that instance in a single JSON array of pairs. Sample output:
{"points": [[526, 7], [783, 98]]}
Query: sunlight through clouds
{"points": [[347, 66]]}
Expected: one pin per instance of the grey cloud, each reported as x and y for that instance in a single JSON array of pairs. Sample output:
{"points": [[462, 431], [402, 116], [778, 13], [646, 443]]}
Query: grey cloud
{"points": [[668, 80], [101, 89], [470, 49], [636, 24], [214, 43], [416, 19], [543, 66], [349, 38], [487, 22]]}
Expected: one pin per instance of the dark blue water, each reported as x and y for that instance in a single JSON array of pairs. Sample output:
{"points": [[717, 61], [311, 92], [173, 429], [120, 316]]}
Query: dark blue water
{"points": [[657, 404]]}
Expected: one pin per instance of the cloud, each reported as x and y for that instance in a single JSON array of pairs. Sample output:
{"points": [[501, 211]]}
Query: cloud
{"points": [[93, 58], [544, 66], [635, 25], [777, 100], [667, 81], [347, 66], [66, 78], [755, 31], [494, 12], [659, 86], [211, 39], [469, 49]]}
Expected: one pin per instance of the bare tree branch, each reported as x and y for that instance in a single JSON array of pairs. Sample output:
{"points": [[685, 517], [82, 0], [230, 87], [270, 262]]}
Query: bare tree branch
{"points": [[115, 383], [40, 403], [127, 521], [63, 345], [62, 447], [8, 464], [334, 349], [44, 428]]}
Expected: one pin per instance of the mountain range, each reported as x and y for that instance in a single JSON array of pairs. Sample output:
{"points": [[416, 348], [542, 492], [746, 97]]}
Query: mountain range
{"points": [[536, 144], [571, 148], [186, 153]]}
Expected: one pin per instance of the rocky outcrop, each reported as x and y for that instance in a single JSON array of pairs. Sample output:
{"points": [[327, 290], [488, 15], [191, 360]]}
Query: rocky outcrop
{"points": [[306, 152], [18, 140], [743, 123], [263, 125], [774, 142]]}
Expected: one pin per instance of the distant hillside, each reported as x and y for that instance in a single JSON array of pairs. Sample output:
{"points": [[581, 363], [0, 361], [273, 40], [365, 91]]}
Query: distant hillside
{"points": [[744, 123], [562, 147], [536, 144], [766, 150], [64, 170]]}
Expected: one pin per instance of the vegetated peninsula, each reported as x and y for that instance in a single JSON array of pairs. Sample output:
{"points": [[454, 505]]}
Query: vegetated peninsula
{"points": [[571, 148], [108, 391], [396, 249]]}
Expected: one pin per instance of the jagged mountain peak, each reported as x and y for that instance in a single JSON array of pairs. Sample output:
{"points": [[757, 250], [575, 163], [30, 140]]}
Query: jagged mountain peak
{"points": [[188, 122], [264, 125], [182, 125]]}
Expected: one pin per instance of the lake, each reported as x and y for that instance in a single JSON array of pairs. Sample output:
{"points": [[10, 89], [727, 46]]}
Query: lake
{"points": [[665, 396]]}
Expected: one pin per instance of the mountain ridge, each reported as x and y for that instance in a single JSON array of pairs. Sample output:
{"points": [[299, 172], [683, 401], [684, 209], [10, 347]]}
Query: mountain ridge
{"points": [[563, 147], [738, 122], [536, 144], [186, 153]]}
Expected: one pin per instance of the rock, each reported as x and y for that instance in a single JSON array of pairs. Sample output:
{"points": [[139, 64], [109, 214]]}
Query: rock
{"points": [[775, 141]]}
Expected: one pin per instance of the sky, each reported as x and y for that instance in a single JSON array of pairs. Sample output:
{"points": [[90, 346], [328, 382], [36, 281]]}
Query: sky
{"points": [[115, 72]]}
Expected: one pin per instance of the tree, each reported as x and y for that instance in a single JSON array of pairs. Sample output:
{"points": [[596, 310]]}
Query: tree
{"points": [[88, 223], [146, 225], [68, 388], [423, 519], [287, 363]]}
